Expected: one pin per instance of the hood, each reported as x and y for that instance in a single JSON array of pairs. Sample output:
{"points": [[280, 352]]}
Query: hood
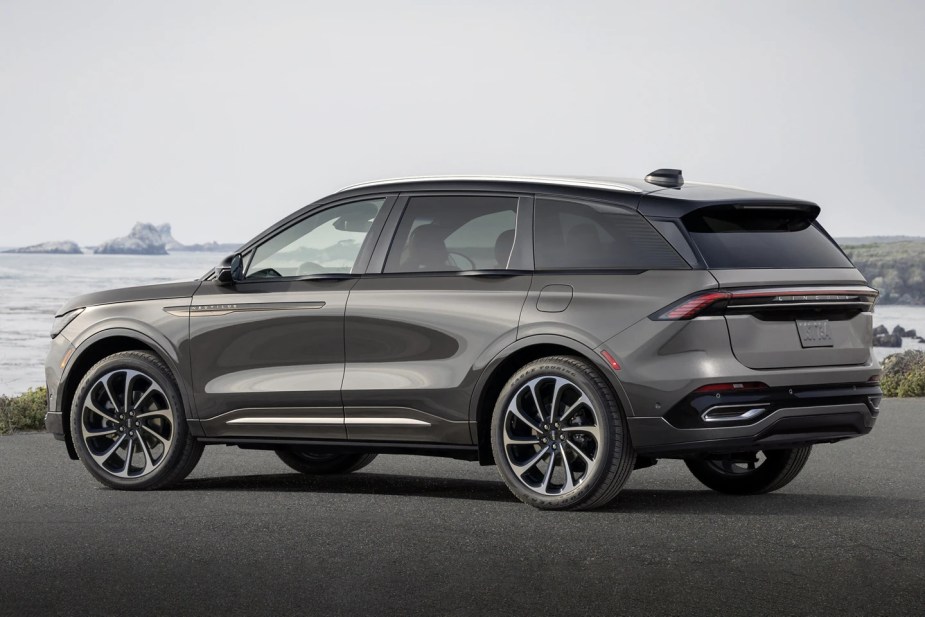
{"points": [[160, 291]]}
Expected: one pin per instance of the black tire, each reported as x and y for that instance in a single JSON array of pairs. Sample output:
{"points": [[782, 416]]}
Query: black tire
{"points": [[312, 462], [614, 456], [177, 460], [778, 469]]}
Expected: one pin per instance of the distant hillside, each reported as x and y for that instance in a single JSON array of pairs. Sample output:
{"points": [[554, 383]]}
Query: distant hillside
{"points": [[878, 240], [896, 268]]}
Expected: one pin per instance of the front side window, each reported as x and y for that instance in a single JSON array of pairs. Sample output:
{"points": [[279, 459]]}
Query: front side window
{"points": [[586, 235], [452, 233], [326, 242]]}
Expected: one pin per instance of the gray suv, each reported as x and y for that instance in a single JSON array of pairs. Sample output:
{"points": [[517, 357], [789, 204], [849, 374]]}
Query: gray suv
{"points": [[566, 329]]}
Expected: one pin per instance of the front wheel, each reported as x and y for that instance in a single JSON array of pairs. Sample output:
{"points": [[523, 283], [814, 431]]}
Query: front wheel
{"points": [[312, 462], [749, 473], [559, 437], [128, 423]]}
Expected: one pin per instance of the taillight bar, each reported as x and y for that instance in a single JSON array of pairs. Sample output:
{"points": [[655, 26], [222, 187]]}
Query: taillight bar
{"points": [[697, 304]]}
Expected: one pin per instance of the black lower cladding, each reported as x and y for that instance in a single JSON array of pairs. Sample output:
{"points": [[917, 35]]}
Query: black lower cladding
{"points": [[690, 412], [669, 438], [54, 424]]}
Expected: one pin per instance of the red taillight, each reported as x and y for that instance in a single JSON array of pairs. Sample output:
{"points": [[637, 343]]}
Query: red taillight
{"points": [[772, 297], [690, 308], [730, 387]]}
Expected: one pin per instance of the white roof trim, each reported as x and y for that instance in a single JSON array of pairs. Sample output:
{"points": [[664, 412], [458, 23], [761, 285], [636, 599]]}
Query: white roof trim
{"points": [[553, 180]]}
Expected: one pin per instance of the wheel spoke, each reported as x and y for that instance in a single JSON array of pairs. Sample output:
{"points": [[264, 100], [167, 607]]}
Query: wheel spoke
{"points": [[128, 385], [569, 483], [523, 417], [583, 400], [165, 413], [129, 451], [102, 458], [530, 440], [556, 398], [521, 468], [164, 441], [90, 433], [89, 404], [149, 460], [536, 401], [587, 459], [152, 388], [112, 399], [548, 476], [590, 429]]}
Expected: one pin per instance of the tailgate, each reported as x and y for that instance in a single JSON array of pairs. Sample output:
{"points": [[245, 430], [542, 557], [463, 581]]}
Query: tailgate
{"points": [[798, 318]]}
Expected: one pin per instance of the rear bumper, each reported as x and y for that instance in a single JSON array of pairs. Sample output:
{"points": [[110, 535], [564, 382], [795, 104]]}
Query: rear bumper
{"points": [[790, 419]]}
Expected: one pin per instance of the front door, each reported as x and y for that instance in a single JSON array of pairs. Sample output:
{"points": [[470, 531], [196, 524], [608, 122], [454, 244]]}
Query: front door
{"points": [[442, 296], [267, 352]]}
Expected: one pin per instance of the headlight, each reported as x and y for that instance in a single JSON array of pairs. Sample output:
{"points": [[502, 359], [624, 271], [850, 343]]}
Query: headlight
{"points": [[61, 321]]}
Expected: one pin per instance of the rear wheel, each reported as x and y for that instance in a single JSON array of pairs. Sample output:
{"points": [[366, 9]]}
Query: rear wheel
{"points": [[129, 426], [312, 462], [750, 473], [559, 438]]}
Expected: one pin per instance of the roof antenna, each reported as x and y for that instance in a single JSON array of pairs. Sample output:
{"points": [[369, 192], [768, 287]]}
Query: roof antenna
{"points": [[670, 178]]}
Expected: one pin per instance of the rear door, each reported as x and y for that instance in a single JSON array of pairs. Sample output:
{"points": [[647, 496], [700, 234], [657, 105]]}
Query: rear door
{"points": [[442, 296], [268, 352], [800, 301]]}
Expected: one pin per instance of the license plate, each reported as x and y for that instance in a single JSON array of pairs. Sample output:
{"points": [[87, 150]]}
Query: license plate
{"points": [[815, 333]]}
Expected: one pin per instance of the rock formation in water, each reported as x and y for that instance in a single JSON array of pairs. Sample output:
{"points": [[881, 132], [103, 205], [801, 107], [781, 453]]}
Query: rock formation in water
{"points": [[144, 239], [64, 247]]}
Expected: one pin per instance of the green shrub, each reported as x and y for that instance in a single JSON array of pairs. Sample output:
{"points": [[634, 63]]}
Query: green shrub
{"points": [[24, 412], [904, 374]]}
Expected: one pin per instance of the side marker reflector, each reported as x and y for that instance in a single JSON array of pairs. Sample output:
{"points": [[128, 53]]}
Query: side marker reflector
{"points": [[611, 361]]}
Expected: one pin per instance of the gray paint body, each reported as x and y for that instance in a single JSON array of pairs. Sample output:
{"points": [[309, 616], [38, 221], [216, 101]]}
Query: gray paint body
{"points": [[404, 359]]}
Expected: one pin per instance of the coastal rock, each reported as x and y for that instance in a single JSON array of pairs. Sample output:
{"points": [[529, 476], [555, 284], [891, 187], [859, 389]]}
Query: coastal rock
{"points": [[144, 239], [210, 247], [911, 334], [170, 243], [64, 247], [880, 330], [899, 331], [888, 340]]}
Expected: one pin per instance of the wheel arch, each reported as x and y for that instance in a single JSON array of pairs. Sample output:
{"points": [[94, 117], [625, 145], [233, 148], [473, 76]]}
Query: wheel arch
{"points": [[93, 349], [509, 361]]}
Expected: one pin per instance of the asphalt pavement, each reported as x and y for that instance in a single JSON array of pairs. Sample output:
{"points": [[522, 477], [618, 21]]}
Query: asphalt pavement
{"points": [[412, 535]]}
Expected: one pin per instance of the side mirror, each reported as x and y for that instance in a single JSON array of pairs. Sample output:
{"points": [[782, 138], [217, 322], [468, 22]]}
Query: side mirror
{"points": [[230, 271]]}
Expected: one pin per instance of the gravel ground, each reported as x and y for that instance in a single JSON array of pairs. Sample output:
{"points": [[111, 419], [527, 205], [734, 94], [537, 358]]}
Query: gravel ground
{"points": [[407, 535]]}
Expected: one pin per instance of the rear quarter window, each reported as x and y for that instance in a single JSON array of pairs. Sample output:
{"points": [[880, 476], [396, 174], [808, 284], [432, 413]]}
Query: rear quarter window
{"points": [[572, 234], [736, 237]]}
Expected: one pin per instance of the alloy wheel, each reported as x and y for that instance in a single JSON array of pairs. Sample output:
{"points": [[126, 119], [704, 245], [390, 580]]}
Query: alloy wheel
{"points": [[127, 423], [551, 435]]}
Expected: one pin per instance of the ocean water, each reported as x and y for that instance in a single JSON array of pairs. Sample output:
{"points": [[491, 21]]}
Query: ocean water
{"points": [[33, 287]]}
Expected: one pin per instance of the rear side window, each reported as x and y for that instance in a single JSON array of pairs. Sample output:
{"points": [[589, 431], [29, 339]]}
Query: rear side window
{"points": [[584, 235], [735, 237], [450, 233]]}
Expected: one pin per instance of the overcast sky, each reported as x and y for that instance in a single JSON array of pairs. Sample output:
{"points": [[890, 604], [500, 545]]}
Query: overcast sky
{"points": [[222, 117]]}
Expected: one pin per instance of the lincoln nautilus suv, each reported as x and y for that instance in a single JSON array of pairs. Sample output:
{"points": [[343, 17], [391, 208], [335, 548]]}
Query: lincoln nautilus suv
{"points": [[566, 329]]}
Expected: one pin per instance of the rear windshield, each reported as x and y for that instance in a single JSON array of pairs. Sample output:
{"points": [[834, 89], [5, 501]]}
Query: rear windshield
{"points": [[732, 237]]}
